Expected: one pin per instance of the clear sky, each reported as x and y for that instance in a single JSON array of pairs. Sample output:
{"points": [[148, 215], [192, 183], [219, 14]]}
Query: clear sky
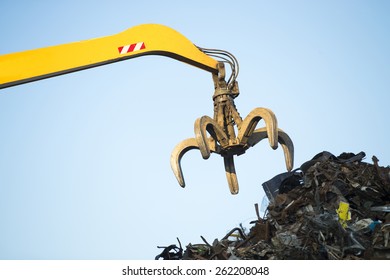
{"points": [[84, 158]]}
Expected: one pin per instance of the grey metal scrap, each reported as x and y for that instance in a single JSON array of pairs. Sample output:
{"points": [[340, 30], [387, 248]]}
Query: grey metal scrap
{"points": [[332, 207], [326, 182]]}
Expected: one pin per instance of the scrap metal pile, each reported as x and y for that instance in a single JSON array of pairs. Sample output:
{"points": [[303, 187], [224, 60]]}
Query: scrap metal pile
{"points": [[330, 208]]}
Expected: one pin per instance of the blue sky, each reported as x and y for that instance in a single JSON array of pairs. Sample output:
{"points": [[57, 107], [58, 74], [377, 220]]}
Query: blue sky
{"points": [[84, 158]]}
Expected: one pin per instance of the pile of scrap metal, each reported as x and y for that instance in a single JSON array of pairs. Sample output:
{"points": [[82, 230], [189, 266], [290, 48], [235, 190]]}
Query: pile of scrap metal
{"points": [[330, 208]]}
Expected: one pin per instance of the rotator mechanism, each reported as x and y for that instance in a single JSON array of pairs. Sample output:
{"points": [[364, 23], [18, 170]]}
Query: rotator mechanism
{"points": [[227, 134]]}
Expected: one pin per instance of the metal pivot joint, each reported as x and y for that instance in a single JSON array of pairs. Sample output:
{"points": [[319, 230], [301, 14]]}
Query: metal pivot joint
{"points": [[227, 134]]}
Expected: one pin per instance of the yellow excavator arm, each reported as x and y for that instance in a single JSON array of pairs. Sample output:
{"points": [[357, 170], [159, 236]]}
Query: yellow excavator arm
{"points": [[147, 39], [226, 134]]}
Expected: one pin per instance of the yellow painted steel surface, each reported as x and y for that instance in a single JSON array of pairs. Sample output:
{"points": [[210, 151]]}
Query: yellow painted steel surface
{"points": [[148, 39]]}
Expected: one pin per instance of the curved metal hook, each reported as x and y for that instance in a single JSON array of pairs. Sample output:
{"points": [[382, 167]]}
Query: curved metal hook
{"points": [[176, 155], [248, 125], [179, 151], [208, 124], [283, 139], [231, 174]]}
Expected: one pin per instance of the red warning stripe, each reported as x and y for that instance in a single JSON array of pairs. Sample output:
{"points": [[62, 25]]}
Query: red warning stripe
{"points": [[131, 48]]}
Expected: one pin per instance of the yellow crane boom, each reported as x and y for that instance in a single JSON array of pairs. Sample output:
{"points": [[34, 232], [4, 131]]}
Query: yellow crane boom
{"points": [[226, 134], [147, 39]]}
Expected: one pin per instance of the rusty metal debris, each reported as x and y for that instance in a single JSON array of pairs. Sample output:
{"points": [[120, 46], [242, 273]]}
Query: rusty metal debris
{"points": [[171, 252], [330, 208]]}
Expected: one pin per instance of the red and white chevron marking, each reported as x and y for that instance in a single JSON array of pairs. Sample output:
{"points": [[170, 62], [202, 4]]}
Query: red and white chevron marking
{"points": [[131, 48]]}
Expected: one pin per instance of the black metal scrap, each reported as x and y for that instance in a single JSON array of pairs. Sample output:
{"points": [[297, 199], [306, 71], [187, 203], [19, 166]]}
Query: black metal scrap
{"points": [[328, 180], [171, 252], [302, 219]]}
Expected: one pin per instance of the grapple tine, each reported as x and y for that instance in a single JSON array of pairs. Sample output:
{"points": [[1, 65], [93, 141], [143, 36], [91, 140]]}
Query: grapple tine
{"points": [[201, 138], [231, 174], [202, 125], [288, 149], [283, 139], [248, 125], [176, 155]]}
